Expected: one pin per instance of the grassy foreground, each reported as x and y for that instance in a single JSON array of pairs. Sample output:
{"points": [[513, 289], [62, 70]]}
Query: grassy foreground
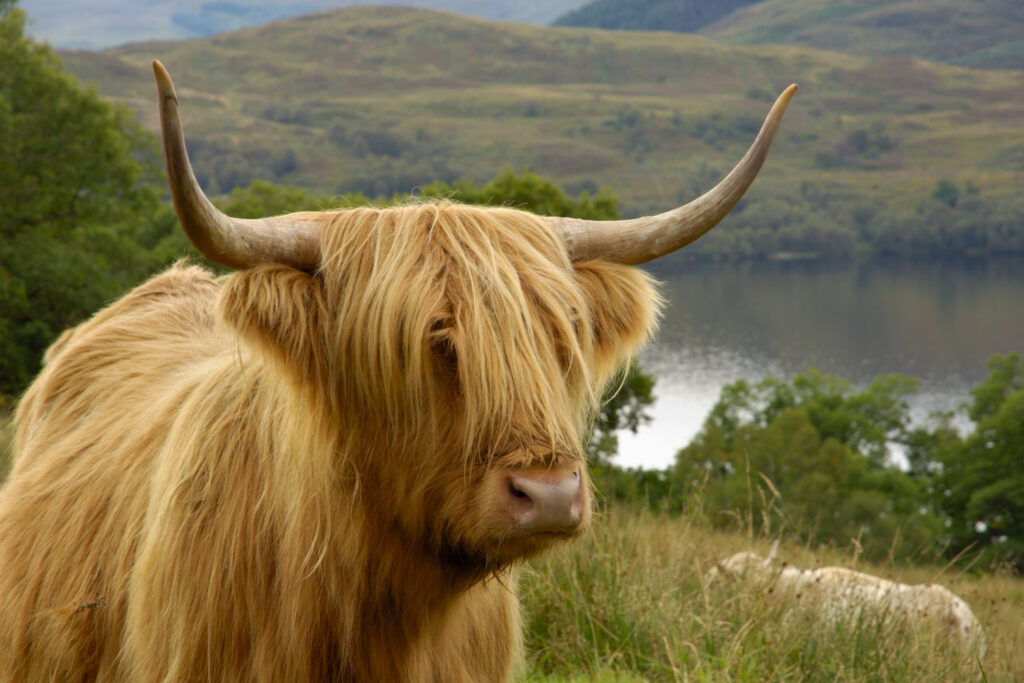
{"points": [[630, 603]]}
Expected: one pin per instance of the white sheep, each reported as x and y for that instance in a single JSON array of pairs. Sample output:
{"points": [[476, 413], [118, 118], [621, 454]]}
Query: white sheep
{"points": [[841, 594]]}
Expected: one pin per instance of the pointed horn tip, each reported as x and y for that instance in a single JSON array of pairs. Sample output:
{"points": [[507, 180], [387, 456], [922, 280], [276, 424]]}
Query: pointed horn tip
{"points": [[163, 80], [786, 95]]}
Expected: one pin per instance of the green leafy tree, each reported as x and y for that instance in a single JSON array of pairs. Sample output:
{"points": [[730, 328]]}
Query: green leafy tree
{"points": [[810, 456], [624, 407], [262, 198], [979, 481], [946, 192], [79, 187], [526, 190], [530, 192]]}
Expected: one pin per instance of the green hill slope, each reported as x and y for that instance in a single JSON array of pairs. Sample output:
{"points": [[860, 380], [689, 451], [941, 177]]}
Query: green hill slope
{"points": [[980, 34], [383, 100], [987, 34], [650, 15], [103, 23]]}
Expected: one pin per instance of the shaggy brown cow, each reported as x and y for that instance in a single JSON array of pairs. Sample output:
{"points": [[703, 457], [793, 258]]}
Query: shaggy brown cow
{"points": [[326, 465]]}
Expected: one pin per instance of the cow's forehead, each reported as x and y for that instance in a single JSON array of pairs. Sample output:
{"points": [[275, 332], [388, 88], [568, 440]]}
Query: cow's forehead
{"points": [[486, 294]]}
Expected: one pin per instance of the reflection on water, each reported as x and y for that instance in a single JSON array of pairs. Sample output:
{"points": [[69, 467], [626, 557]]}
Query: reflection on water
{"points": [[936, 320]]}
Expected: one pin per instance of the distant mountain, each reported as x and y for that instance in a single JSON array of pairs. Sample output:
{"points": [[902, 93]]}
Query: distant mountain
{"points": [[977, 33], [104, 23], [896, 154], [651, 15]]}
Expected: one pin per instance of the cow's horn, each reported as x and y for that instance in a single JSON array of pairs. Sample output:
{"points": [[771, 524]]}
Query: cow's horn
{"points": [[292, 239], [639, 240]]}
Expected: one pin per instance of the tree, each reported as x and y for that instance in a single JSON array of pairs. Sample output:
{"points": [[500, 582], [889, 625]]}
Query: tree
{"points": [[530, 192], [946, 192], [810, 456], [623, 407], [79, 186], [979, 481]]}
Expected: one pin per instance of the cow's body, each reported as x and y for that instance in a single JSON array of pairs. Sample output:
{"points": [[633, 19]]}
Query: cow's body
{"points": [[180, 504]]}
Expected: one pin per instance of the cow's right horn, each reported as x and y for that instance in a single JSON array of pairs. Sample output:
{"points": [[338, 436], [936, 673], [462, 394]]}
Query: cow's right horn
{"points": [[293, 239], [638, 240]]}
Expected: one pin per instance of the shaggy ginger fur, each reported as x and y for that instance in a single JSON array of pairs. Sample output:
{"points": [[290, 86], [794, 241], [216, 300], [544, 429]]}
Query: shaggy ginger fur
{"points": [[282, 476]]}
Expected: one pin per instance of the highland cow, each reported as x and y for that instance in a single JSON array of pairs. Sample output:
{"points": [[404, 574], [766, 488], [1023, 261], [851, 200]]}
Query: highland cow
{"points": [[327, 464]]}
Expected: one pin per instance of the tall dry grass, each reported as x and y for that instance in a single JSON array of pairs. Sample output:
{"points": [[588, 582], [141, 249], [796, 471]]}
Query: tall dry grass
{"points": [[631, 603]]}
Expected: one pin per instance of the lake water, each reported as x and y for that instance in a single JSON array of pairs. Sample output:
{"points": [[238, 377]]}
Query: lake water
{"points": [[939, 321]]}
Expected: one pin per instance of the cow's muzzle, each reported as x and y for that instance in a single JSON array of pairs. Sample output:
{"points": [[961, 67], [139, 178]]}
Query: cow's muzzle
{"points": [[546, 500]]}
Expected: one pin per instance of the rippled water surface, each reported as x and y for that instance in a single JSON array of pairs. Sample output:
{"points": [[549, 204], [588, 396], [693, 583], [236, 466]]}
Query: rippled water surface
{"points": [[938, 321]]}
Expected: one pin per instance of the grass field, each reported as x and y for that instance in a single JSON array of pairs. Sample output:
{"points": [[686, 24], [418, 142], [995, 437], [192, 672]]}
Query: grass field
{"points": [[630, 603]]}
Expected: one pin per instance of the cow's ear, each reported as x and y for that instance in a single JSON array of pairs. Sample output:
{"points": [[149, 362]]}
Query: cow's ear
{"points": [[282, 312], [624, 309]]}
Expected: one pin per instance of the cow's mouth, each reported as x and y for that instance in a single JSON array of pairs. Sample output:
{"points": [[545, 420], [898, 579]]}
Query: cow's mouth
{"points": [[522, 546], [503, 551]]}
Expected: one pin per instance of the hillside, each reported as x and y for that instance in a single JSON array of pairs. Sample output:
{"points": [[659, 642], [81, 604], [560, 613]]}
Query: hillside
{"points": [[72, 24], [384, 100], [987, 34], [650, 15]]}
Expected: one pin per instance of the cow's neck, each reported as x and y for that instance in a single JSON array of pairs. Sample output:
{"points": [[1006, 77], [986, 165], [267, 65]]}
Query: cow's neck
{"points": [[409, 593]]}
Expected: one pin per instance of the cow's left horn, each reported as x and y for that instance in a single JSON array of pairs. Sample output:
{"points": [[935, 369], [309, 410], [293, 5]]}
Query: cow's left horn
{"points": [[292, 239], [639, 240]]}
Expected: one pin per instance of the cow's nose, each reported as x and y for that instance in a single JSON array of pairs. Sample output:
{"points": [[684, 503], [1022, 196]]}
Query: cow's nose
{"points": [[546, 501]]}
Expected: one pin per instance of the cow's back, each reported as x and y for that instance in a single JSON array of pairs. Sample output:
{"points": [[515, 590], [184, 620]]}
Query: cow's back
{"points": [[87, 431]]}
